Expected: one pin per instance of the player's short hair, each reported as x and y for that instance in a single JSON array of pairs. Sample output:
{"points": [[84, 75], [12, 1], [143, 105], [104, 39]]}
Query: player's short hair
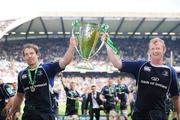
{"points": [[30, 45], [156, 40], [72, 82]]}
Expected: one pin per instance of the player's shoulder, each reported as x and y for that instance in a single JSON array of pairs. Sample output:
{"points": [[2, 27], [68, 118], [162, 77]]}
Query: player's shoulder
{"points": [[105, 87], [170, 67], [23, 70]]}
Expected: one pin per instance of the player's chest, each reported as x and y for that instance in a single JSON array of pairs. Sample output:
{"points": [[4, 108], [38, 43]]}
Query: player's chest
{"points": [[39, 77]]}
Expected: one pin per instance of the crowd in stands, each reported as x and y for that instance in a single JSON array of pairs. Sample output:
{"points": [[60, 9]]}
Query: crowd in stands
{"points": [[11, 60], [131, 49]]}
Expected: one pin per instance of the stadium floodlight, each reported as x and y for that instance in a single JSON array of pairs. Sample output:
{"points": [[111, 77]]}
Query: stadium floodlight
{"points": [[60, 33], [120, 33], [137, 33], [147, 33], [67, 33], [41, 33], [172, 33], [23, 33], [31, 32], [154, 33], [164, 33], [50, 33], [130, 33]]}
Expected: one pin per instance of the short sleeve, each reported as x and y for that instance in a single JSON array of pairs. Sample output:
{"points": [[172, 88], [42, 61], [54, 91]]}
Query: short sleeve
{"points": [[174, 87], [8, 91], [53, 68], [66, 90], [132, 67], [103, 91], [20, 88]]}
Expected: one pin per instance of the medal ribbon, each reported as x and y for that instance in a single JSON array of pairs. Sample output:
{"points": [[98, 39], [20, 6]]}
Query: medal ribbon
{"points": [[111, 90], [32, 81], [120, 89], [72, 93]]}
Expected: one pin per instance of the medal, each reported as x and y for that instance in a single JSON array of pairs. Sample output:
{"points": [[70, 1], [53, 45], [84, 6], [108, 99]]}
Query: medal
{"points": [[32, 89], [32, 80]]}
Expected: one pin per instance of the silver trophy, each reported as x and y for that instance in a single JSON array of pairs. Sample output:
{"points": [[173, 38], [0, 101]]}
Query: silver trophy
{"points": [[87, 35]]}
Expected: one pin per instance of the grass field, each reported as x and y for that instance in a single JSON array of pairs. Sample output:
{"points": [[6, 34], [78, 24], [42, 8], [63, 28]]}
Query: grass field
{"points": [[62, 106]]}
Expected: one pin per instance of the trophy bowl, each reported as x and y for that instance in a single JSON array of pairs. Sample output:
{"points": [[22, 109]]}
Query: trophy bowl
{"points": [[87, 36]]}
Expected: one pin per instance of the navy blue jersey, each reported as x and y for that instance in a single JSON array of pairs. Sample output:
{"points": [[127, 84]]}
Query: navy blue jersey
{"points": [[122, 92], [5, 93], [154, 82], [109, 92], [84, 98], [71, 102], [40, 99]]}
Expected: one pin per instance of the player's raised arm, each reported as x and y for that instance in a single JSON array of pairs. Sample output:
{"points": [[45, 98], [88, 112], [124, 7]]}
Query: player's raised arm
{"points": [[114, 58], [69, 53]]}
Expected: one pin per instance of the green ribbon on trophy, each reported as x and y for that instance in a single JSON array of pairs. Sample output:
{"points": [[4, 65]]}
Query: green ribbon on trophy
{"points": [[104, 29], [112, 45]]}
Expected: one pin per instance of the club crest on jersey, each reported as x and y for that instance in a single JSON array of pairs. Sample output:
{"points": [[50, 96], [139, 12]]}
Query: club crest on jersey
{"points": [[165, 73], [24, 76], [40, 73], [147, 68]]}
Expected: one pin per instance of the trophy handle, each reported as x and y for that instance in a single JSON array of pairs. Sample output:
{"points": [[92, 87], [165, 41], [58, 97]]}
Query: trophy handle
{"points": [[102, 43], [76, 46]]}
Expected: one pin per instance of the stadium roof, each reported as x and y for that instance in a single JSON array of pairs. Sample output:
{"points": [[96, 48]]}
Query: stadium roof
{"points": [[29, 19]]}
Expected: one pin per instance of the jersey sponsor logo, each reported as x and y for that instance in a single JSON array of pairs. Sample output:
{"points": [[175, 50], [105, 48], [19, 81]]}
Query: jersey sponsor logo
{"points": [[165, 73], [147, 68], [154, 83], [161, 85], [36, 86], [155, 79]]}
